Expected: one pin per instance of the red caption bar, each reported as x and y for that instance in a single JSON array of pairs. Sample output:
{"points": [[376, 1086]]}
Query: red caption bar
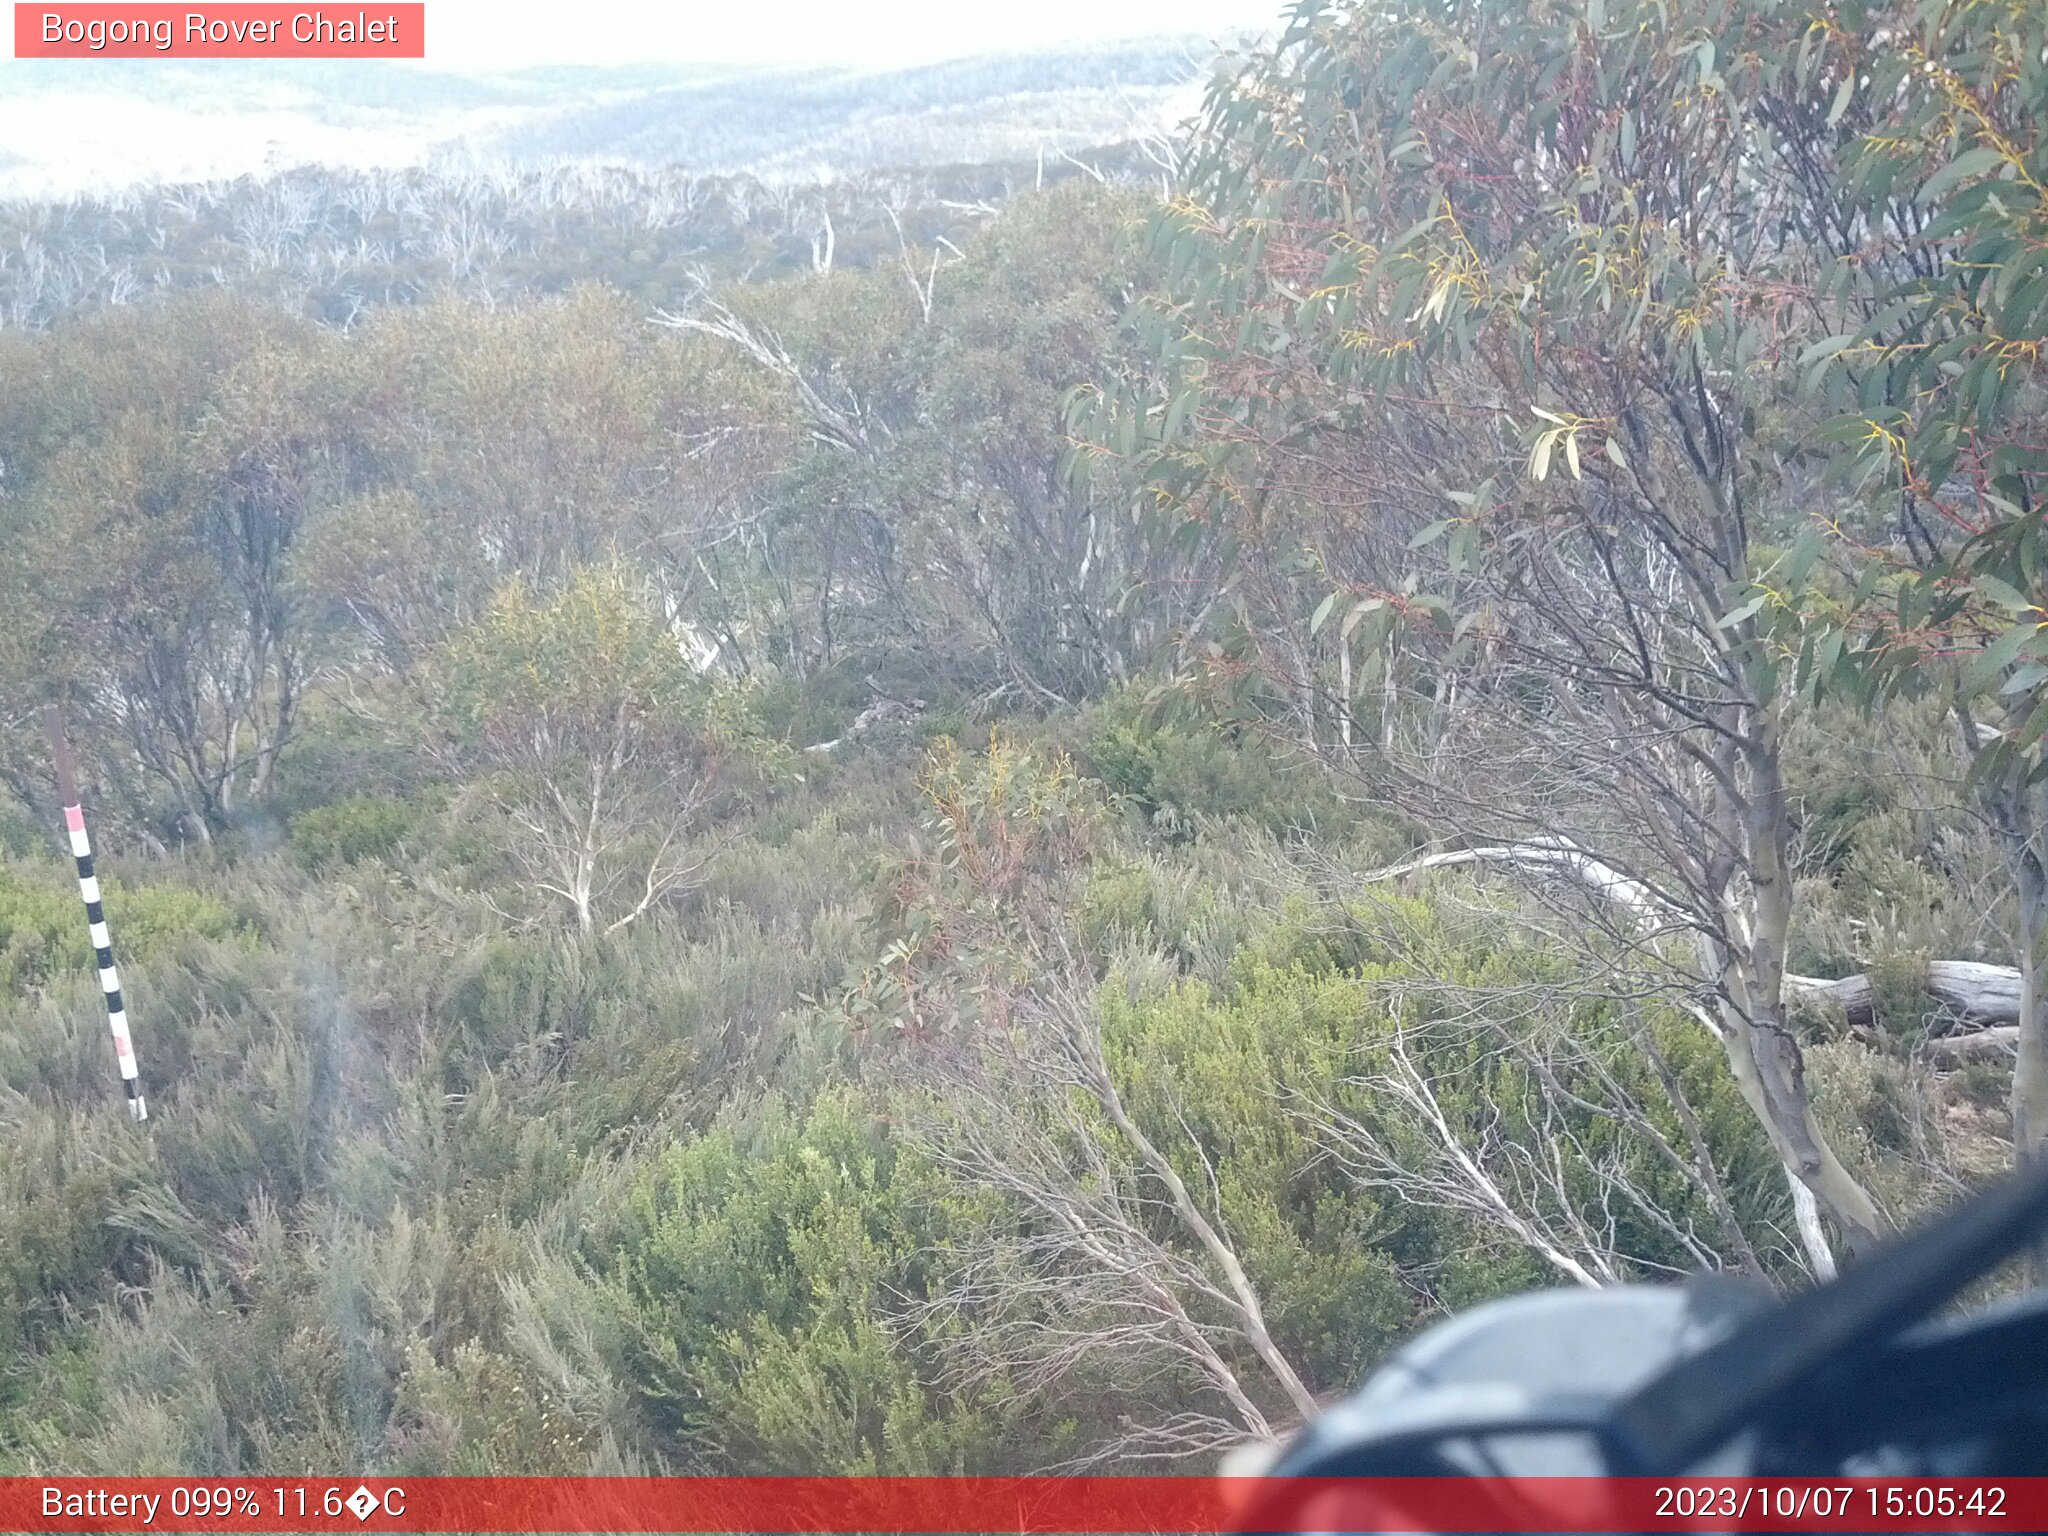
{"points": [[1003, 1506], [382, 31]]}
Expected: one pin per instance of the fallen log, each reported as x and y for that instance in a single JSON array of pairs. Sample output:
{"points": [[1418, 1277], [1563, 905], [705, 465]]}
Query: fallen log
{"points": [[1975, 996], [1979, 1045]]}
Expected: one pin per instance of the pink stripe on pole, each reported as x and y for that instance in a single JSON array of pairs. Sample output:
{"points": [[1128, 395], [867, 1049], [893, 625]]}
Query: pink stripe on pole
{"points": [[74, 818]]}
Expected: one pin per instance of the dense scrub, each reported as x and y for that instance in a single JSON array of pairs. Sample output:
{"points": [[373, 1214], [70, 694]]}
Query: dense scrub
{"points": [[423, 1194], [429, 1193], [878, 871]]}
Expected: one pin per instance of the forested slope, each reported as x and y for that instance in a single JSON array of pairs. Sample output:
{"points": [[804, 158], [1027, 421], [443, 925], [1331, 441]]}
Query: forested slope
{"points": [[1028, 853], [335, 244]]}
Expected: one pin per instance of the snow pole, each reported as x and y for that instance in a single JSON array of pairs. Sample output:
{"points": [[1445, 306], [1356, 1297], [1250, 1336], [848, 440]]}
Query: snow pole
{"points": [[95, 914]]}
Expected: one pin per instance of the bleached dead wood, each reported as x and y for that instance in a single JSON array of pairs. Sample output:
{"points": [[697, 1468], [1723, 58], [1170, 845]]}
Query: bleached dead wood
{"points": [[1977, 996], [1554, 855], [2001, 1040], [1146, 1269], [1974, 994]]}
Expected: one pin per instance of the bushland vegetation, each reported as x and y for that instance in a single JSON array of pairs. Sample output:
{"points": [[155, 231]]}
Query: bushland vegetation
{"points": [[1029, 853]]}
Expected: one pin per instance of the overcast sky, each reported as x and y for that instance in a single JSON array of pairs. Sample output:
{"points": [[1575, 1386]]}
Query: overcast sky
{"points": [[65, 127], [500, 34]]}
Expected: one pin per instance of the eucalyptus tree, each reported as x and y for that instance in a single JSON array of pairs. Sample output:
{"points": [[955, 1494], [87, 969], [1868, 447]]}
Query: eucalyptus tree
{"points": [[1929, 182], [583, 724], [1481, 322], [927, 510], [161, 467]]}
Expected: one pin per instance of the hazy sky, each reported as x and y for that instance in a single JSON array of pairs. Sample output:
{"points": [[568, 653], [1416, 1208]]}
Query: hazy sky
{"points": [[496, 34], [66, 127]]}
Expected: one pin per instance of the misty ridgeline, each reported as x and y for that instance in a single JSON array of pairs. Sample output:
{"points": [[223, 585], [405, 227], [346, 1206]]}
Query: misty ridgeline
{"points": [[1009, 816]]}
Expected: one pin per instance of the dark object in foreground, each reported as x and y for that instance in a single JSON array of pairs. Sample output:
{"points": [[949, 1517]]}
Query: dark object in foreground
{"points": [[1717, 1379]]}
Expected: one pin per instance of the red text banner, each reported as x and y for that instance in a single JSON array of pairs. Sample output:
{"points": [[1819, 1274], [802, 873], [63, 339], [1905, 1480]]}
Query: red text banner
{"points": [[1088, 1505], [374, 31]]}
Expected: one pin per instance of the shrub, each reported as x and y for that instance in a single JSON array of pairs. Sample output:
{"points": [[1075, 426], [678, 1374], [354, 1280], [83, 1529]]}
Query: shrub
{"points": [[58, 1251], [768, 1272], [1898, 992], [42, 925], [1176, 770], [352, 829]]}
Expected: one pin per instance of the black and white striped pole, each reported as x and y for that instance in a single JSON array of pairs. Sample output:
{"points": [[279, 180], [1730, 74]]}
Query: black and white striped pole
{"points": [[95, 914]]}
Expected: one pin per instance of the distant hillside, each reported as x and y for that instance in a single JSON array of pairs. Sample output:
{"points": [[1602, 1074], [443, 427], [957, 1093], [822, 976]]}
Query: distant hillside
{"points": [[840, 121], [72, 126]]}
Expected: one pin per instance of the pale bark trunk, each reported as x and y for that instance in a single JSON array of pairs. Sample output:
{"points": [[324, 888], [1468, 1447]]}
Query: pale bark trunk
{"points": [[1771, 1075], [1806, 1215], [2030, 1071], [1344, 690], [1390, 697], [2019, 812]]}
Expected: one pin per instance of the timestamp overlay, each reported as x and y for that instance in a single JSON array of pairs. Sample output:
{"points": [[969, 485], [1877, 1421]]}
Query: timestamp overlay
{"points": [[1082, 1505]]}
